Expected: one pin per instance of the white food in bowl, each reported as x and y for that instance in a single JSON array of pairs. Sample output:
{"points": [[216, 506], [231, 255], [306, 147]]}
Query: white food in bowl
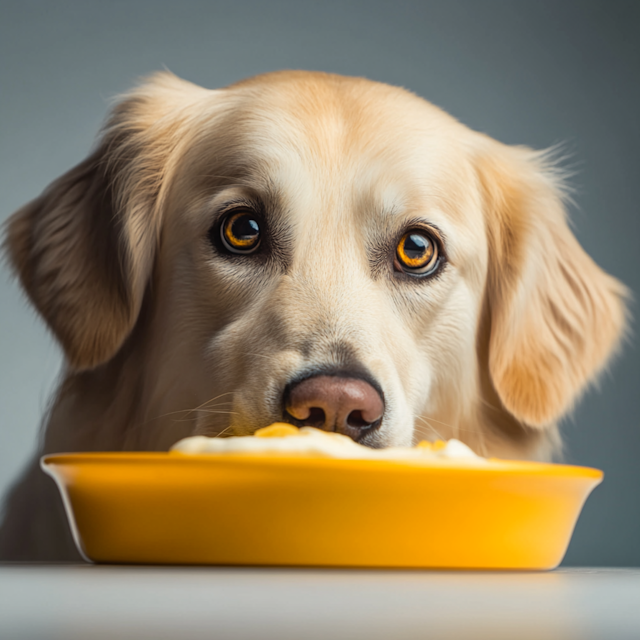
{"points": [[284, 439]]}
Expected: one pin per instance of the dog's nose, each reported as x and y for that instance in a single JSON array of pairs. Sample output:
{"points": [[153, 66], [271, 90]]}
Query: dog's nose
{"points": [[333, 403]]}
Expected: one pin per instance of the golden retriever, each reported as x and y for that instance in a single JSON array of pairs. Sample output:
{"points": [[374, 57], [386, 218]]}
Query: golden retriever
{"points": [[309, 247]]}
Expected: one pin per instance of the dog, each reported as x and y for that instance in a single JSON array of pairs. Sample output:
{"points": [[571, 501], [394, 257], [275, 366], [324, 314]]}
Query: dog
{"points": [[310, 248]]}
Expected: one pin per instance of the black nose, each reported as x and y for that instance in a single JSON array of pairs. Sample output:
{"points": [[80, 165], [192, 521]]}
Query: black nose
{"points": [[344, 404]]}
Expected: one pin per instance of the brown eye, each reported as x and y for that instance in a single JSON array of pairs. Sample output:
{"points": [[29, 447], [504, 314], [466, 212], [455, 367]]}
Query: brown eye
{"points": [[240, 232], [417, 253]]}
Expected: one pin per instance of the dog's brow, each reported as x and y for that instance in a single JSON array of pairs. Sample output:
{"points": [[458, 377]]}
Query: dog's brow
{"points": [[259, 194], [236, 202]]}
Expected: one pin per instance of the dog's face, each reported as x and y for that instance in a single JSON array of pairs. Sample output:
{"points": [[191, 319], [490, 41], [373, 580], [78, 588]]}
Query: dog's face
{"points": [[336, 187], [261, 249]]}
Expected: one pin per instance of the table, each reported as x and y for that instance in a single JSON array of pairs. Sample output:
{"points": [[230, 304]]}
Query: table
{"points": [[88, 602]]}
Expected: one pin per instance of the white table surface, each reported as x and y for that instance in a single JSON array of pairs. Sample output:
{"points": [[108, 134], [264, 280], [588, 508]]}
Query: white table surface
{"points": [[93, 602]]}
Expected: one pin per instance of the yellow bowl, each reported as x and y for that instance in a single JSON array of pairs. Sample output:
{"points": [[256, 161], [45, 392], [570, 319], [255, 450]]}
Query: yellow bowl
{"points": [[168, 508]]}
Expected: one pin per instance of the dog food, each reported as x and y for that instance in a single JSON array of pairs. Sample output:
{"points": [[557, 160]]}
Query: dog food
{"points": [[285, 439]]}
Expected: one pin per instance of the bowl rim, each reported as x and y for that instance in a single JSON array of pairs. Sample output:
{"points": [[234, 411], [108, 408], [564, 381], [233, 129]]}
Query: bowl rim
{"points": [[494, 466]]}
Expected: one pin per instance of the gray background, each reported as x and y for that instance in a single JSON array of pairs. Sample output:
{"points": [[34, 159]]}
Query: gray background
{"points": [[526, 72]]}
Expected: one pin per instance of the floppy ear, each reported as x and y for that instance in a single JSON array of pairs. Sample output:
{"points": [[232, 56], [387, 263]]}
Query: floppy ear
{"points": [[555, 315], [84, 249]]}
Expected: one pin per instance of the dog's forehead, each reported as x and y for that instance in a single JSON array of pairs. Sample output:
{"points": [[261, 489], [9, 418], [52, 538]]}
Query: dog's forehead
{"points": [[318, 138], [357, 129]]}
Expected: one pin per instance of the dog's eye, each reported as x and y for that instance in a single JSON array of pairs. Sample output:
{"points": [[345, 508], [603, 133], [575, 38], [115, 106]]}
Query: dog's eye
{"points": [[240, 232], [417, 253]]}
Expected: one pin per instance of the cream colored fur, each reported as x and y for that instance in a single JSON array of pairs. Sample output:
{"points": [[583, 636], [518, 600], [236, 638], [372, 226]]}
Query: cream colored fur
{"points": [[165, 337]]}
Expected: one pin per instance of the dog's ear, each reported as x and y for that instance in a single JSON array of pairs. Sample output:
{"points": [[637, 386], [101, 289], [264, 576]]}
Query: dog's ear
{"points": [[84, 249], [555, 315]]}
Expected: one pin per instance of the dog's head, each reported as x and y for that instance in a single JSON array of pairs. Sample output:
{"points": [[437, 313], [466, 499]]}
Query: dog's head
{"points": [[324, 250]]}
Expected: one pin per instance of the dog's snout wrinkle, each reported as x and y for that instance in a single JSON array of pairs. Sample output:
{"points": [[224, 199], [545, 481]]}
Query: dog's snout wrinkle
{"points": [[334, 403]]}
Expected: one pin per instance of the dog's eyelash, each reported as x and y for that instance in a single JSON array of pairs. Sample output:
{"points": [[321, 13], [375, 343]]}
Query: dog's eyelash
{"points": [[227, 207]]}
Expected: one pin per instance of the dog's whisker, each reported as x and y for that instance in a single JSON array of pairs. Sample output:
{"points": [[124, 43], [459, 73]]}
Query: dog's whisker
{"points": [[204, 404], [181, 411], [201, 407], [186, 412], [176, 420], [457, 428], [220, 411], [420, 432], [219, 434], [431, 419]]}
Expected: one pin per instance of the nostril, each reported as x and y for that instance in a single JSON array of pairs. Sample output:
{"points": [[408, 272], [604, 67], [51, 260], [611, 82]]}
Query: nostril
{"points": [[355, 419]]}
